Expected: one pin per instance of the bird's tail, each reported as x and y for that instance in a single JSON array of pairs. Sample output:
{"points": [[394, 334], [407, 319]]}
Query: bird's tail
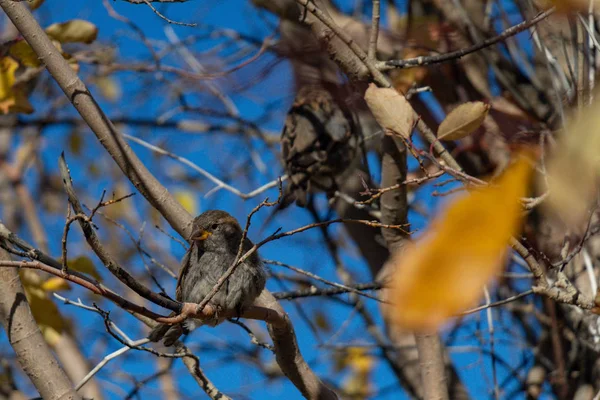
{"points": [[170, 333]]}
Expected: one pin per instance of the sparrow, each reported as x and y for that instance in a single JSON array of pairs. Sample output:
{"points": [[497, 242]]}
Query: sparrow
{"points": [[215, 241], [319, 142]]}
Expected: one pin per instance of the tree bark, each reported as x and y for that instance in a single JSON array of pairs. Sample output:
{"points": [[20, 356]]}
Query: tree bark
{"points": [[27, 341]]}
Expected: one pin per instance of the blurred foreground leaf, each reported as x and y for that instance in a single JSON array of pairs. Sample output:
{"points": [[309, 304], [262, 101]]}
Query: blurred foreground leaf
{"points": [[443, 272], [573, 170]]}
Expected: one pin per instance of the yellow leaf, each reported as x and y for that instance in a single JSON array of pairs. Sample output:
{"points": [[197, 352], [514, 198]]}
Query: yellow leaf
{"points": [[357, 385], [23, 52], [35, 4], [12, 97], [463, 120], [391, 110], [74, 31], [17, 103], [55, 284], [51, 334], [8, 67], [322, 322], [109, 87], [443, 273], [45, 312], [84, 265], [75, 141], [573, 171], [354, 358], [359, 359], [187, 200]]}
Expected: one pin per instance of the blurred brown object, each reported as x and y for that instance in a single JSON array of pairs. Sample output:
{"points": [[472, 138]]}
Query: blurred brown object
{"points": [[319, 142]]}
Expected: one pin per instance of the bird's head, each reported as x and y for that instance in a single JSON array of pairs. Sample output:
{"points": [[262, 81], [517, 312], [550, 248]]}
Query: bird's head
{"points": [[216, 230]]}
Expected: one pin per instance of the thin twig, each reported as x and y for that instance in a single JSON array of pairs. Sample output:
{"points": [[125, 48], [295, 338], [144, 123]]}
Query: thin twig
{"points": [[149, 4], [110, 263], [314, 291], [326, 281], [220, 184], [253, 337], [498, 303], [414, 181], [420, 61]]}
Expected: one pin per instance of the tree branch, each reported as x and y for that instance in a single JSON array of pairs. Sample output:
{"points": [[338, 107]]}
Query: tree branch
{"points": [[454, 55], [94, 242], [394, 209], [27, 341]]}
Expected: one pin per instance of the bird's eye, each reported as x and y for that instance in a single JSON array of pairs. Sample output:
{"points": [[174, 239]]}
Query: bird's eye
{"points": [[214, 226]]}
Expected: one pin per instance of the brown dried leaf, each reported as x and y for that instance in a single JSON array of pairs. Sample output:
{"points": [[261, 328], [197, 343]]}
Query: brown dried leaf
{"points": [[463, 120], [391, 110]]}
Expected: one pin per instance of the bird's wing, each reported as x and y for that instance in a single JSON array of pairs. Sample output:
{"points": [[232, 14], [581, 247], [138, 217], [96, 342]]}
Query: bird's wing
{"points": [[193, 251]]}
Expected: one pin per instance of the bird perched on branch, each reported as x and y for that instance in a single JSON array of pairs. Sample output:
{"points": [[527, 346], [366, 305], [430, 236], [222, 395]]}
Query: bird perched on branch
{"points": [[319, 142], [214, 246]]}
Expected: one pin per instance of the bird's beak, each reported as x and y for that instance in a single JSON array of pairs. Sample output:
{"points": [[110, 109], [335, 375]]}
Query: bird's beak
{"points": [[202, 236]]}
